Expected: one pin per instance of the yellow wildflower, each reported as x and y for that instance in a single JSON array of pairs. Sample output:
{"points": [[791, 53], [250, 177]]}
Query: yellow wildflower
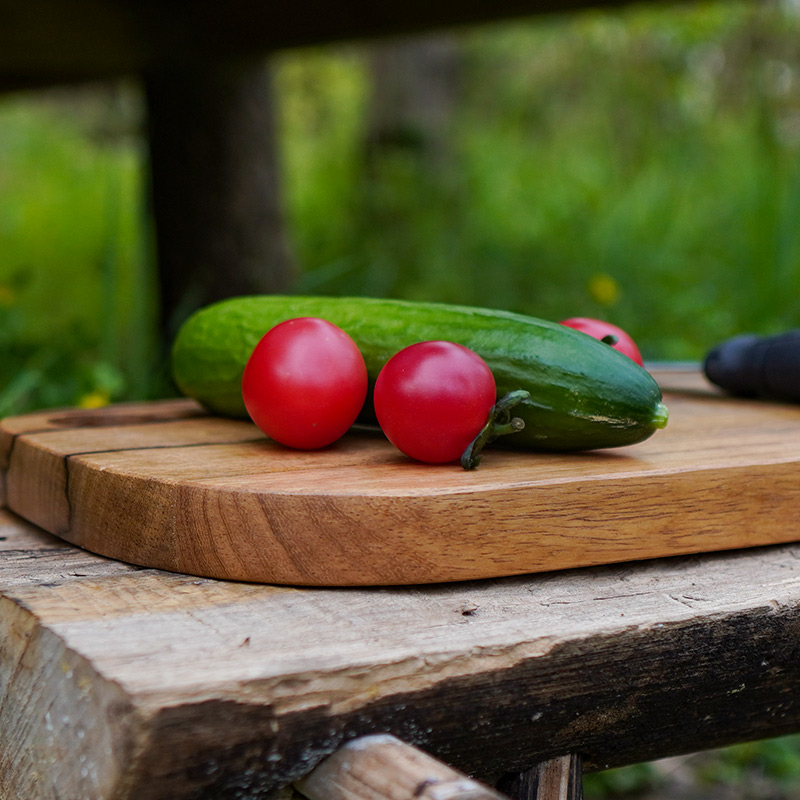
{"points": [[7, 296], [96, 399], [604, 289]]}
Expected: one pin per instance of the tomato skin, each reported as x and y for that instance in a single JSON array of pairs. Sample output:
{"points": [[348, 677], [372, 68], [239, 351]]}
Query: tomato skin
{"points": [[600, 329], [305, 383], [432, 399]]}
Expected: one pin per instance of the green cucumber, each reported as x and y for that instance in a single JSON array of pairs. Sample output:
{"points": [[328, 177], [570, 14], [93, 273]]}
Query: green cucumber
{"points": [[584, 394]]}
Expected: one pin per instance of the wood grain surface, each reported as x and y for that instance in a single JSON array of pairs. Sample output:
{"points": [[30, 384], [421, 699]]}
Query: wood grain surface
{"points": [[381, 767], [124, 683], [164, 485], [555, 779]]}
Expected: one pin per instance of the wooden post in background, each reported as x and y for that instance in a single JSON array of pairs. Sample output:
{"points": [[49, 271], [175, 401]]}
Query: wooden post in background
{"points": [[415, 84], [556, 779], [215, 190]]}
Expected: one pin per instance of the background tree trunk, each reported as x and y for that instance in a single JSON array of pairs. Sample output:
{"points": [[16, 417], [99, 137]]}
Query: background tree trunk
{"points": [[415, 84], [215, 190]]}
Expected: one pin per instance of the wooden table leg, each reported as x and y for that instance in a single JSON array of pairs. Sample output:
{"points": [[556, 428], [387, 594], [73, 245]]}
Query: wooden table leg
{"points": [[383, 767], [557, 779]]}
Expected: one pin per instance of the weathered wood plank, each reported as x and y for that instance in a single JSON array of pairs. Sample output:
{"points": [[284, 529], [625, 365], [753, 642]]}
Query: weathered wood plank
{"points": [[381, 767], [208, 689]]}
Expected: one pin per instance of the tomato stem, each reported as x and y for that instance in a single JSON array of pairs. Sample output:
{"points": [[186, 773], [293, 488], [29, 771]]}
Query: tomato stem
{"points": [[499, 423]]}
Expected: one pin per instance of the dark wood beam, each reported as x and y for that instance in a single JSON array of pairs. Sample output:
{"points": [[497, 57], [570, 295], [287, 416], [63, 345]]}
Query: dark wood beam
{"points": [[63, 41]]}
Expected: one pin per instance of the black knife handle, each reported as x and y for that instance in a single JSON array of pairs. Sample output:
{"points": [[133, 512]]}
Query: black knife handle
{"points": [[757, 366]]}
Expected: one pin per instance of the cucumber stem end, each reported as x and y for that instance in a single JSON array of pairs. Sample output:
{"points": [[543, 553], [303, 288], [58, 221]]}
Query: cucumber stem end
{"points": [[660, 416]]}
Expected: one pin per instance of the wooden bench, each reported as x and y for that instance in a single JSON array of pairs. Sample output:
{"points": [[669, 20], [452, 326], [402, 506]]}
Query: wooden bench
{"points": [[118, 681], [121, 682]]}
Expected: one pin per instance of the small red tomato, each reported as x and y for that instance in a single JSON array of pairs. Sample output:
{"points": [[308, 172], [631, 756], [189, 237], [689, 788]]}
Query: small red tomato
{"points": [[433, 398], [305, 383], [607, 332]]}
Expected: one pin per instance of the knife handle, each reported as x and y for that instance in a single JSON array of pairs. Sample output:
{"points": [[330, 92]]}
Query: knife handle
{"points": [[757, 366]]}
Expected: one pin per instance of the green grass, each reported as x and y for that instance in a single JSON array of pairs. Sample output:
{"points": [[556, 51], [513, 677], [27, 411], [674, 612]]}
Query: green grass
{"points": [[77, 296]]}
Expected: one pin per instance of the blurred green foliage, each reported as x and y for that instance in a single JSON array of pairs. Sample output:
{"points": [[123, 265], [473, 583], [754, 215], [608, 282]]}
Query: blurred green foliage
{"points": [[763, 770], [77, 293], [640, 165], [652, 149], [621, 782]]}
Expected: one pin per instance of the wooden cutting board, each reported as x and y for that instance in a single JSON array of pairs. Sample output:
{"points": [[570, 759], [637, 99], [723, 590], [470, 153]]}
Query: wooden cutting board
{"points": [[165, 485]]}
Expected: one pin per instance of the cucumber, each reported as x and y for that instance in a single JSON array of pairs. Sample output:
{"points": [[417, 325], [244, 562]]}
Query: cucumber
{"points": [[584, 394]]}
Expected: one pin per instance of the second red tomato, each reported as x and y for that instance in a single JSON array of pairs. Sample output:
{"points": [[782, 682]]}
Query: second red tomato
{"points": [[432, 399]]}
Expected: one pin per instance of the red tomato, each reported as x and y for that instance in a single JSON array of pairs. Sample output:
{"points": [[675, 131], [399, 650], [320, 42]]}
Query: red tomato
{"points": [[615, 336], [305, 383], [433, 398]]}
